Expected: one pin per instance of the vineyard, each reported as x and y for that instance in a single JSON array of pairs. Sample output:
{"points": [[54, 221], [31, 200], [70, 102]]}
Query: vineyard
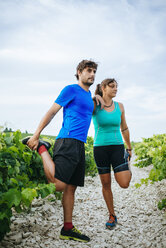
{"points": [[152, 151], [22, 176]]}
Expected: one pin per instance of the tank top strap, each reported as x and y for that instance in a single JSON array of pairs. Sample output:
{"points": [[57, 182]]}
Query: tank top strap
{"points": [[116, 104], [117, 107]]}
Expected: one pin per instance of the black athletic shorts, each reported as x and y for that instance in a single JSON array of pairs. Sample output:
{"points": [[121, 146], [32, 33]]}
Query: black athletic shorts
{"points": [[114, 155], [69, 159]]}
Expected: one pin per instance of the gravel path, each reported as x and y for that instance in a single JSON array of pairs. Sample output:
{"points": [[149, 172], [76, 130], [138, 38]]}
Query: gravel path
{"points": [[140, 223]]}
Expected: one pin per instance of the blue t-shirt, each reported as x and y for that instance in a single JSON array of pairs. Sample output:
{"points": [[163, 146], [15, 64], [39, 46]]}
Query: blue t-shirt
{"points": [[77, 112]]}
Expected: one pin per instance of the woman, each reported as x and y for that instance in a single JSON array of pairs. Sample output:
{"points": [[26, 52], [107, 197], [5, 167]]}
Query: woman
{"points": [[109, 123]]}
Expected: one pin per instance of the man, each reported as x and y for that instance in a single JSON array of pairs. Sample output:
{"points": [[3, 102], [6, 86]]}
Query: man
{"points": [[67, 169]]}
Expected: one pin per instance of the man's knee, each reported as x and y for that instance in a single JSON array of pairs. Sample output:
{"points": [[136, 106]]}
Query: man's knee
{"points": [[70, 188], [60, 186]]}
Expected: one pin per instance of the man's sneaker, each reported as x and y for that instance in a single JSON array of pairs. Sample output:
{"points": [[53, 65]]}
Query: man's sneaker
{"points": [[73, 234], [41, 142], [111, 222]]}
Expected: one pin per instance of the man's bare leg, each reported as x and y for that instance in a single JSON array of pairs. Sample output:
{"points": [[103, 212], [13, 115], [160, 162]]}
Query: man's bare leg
{"points": [[49, 169], [68, 202]]}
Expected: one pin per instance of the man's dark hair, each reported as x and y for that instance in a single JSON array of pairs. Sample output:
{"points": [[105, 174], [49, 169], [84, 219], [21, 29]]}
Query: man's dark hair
{"points": [[83, 64]]}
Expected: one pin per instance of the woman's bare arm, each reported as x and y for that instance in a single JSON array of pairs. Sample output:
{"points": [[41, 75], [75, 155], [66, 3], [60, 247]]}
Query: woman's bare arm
{"points": [[124, 129]]}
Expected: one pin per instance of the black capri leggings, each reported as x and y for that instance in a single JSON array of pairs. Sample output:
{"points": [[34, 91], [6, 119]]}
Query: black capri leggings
{"points": [[114, 155]]}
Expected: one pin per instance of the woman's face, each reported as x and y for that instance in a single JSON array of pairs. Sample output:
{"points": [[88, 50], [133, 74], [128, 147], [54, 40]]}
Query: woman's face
{"points": [[111, 89]]}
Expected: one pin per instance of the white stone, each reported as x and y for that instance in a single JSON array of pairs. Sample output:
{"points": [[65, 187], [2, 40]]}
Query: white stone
{"points": [[27, 234], [38, 238], [20, 221], [17, 238], [135, 209]]}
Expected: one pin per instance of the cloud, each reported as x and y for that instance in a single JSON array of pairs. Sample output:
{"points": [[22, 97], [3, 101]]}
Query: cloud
{"points": [[37, 55], [58, 31], [145, 100], [43, 41]]}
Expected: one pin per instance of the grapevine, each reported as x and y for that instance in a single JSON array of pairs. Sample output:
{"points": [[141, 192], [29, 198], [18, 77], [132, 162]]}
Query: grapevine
{"points": [[152, 151], [22, 176]]}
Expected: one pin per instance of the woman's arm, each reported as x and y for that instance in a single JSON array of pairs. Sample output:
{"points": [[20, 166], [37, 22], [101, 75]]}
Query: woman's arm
{"points": [[125, 130]]}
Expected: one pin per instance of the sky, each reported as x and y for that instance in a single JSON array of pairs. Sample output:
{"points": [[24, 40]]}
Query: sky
{"points": [[42, 42]]}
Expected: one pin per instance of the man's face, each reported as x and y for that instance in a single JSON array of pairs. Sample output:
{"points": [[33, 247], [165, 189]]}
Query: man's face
{"points": [[87, 76]]}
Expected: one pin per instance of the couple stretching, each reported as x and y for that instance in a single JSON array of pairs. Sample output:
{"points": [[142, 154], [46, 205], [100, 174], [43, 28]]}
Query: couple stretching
{"points": [[67, 169]]}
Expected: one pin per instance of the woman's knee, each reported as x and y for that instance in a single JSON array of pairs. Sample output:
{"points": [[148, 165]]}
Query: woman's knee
{"points": [[106, 185], [124, 184], [123, 179]]}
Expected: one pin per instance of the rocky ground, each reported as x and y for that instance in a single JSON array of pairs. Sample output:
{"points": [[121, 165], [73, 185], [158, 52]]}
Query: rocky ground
{"points": [[140, 223]]}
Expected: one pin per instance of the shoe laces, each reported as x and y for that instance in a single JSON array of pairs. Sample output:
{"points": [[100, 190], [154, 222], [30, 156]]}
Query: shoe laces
{"points": [[76, 230], [111, 218]]}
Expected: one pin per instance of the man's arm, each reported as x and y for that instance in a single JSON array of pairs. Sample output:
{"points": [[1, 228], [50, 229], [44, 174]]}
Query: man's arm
{"points": [[97, 99], [34, 140]]}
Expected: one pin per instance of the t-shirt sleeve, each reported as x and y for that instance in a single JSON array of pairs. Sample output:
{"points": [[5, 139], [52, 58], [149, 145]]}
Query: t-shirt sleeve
{"points": [[66, 96]]}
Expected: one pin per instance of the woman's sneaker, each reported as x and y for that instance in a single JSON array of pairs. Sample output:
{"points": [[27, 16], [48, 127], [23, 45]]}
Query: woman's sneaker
{"points": [[73, 234], [111, 222], [41, 142]]}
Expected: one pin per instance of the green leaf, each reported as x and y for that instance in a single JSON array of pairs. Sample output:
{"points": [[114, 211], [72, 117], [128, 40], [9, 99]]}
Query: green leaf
{"points": [[27, 157], [12, 197], [51, 187], [28, 195], [14, 149], [1, 180], [18, 209], [5, 213], [14, 181], [137, 185], [45, 189], [4, 227], [162, 204], [8, 140]]}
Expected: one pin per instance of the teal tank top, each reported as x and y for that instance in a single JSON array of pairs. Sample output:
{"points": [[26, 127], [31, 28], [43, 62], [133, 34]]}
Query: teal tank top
{"points": [[107, 126]]}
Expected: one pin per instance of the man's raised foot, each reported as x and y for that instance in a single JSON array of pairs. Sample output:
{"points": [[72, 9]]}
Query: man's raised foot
{"points": [[41, 142]]}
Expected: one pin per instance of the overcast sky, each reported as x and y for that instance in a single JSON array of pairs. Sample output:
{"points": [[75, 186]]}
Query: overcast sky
{"points": [[42, 41]]}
